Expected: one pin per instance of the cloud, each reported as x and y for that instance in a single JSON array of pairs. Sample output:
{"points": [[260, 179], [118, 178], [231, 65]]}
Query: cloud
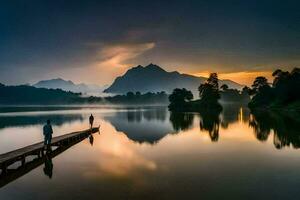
{"points": [[120, 55], [107, 61]]}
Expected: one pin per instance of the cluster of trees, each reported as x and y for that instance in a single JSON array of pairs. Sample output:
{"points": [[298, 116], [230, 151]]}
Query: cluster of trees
{"points": [[181, 99], [284, 91], [234, 95], [139, 98]]}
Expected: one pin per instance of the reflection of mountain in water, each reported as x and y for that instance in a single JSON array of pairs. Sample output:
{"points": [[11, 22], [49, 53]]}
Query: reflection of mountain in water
{"points": [[141, 126], [10, 121], [286, 128]]}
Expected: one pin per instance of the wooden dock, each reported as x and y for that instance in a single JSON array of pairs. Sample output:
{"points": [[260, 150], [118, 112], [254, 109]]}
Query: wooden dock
{"points": [[60, 143]]}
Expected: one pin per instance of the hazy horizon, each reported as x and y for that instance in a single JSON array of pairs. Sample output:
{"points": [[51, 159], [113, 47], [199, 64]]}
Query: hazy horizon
{"points": [[204, 74]]}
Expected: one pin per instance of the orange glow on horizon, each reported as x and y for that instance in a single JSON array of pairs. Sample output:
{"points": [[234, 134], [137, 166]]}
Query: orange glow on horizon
{"points": [[244, 77]]}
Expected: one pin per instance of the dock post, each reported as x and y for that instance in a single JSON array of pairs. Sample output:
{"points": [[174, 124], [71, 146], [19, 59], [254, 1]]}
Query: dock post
{"points": [[23, 160], [4, 168]]}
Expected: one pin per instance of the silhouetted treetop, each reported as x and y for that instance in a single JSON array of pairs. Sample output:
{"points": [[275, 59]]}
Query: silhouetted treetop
{"points": [[209, 91], [224, 87], [285, 90]]}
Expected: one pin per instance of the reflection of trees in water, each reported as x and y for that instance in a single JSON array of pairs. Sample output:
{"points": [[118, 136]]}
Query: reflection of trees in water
{"points": [[181, 121], [286, 128], [9, 121], [261, 125], [151, 114], [134, 116], [158, 114], [232, 113], [210, 122]]}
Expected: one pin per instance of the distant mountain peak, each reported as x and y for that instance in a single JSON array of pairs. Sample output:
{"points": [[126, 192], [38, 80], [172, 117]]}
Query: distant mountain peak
{"points": [[68, 85], [153, 78], [152, 66], [56, 79]]}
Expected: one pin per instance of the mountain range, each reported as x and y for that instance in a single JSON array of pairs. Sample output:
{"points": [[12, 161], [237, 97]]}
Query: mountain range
{"points": [[59, 83], [153, 78]]}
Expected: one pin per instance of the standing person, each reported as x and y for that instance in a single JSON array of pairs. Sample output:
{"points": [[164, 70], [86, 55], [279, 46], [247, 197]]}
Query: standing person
{"points": [[91, 120], [47, 131]]}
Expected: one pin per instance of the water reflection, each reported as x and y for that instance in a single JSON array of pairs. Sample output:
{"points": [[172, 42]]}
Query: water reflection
{"points": [[232, 113], [29, 120], [285, 127], [150, 126], [12, 174], [181, 121], [91, 140], [48, 168], [174, 166], [142, 126], [210, 122]]}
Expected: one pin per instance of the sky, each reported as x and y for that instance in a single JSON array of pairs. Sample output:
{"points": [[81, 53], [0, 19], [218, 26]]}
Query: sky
{"points": [[96, 41]]}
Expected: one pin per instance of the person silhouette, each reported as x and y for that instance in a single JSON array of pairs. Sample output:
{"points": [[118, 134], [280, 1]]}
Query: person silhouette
{"points": [[47, 131], [91, 119]]}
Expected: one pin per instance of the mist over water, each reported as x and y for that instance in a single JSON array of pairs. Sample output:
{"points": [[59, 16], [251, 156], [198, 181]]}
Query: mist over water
{"points": [[151, 153]]}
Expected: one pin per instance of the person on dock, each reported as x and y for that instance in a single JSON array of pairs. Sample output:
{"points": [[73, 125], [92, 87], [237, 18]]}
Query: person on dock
{"points": [[47, 131], [91, 119]]}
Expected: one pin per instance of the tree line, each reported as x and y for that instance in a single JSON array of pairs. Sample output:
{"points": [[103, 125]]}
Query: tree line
{"points": [[29, 95], [283, 92]]}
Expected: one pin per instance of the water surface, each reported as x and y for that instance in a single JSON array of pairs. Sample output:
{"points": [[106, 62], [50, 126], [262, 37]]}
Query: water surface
{"points": [[150, 153]]}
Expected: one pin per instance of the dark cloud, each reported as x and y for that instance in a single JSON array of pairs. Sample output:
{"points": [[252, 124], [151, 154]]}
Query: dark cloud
{"points": [[53, 38]]}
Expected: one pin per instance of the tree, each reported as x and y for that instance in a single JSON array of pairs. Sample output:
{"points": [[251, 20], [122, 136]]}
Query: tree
{"points": [[209, 91], [180, 96], [246, 90], [259, 83], [130, 95], [213, 80], [224, 87], [279, 77]]}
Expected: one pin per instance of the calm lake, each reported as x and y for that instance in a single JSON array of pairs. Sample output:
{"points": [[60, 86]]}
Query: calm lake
{"points": [[150, 153]]}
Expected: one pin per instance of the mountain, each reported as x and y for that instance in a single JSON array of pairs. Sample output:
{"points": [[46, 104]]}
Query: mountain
{"points": [[59, 83], [153, 78]]}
